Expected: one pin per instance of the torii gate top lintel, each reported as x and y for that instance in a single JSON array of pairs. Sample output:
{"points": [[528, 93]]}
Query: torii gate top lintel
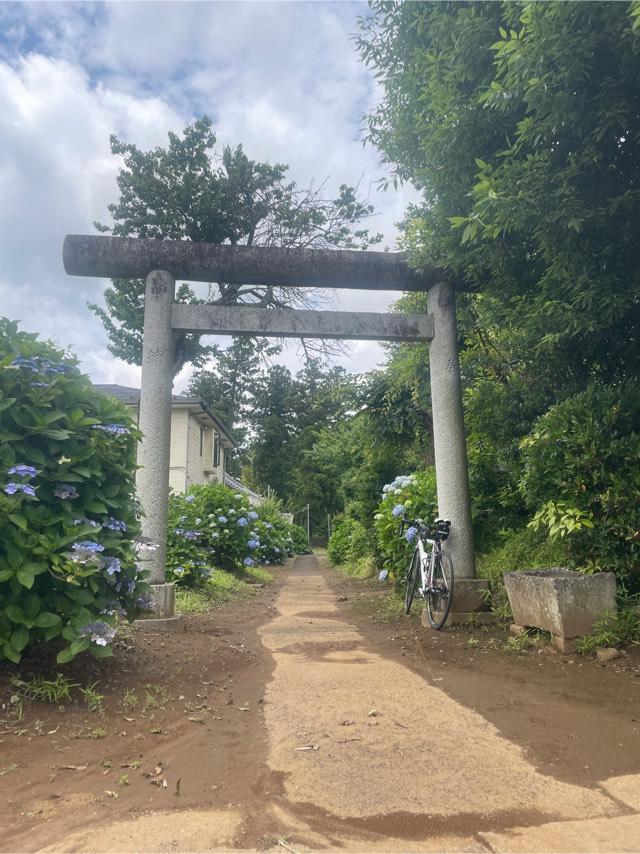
{"points": [[135, 257]]}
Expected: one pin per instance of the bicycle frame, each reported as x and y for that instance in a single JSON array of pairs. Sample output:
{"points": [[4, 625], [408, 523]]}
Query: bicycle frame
{"points": [[426, 564]]}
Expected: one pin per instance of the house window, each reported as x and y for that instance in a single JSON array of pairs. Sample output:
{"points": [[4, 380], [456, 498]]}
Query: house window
{"points": [[201, 440], [216, 450]]}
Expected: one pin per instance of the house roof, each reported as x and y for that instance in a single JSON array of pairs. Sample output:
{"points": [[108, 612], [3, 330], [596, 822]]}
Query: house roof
{"points": [[131, 397]]}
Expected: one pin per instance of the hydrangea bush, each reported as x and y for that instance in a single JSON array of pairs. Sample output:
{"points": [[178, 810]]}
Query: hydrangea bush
{"points": [[68, 517], [214, 527], [411, 496]]}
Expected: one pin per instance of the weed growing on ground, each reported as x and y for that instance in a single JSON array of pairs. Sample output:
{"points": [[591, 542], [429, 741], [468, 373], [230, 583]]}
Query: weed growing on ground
{"points": [[361, 568], [92, 698], [221, 588], [518, 644], [57, 691], [129, 701], [621, 630], [389, 609]]}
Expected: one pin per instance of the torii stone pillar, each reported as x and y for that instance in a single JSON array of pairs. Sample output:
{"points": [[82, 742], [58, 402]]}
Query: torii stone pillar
{"points": [[152, 478], [450, 451]]}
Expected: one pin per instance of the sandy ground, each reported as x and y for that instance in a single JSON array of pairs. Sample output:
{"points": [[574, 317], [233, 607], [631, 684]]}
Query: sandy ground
{"points": [[299, 723]]}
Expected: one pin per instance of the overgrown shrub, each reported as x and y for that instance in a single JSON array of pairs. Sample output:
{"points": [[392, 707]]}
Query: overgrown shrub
{"points": [[413, 496], [582, 477], [67, 508], [349, 541], [214, 527]]}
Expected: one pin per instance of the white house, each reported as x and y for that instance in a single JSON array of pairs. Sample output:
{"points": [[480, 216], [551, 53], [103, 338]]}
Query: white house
{"points": [[199, 439]]}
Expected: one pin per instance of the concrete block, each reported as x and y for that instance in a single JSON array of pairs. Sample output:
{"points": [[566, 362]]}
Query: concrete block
{"points": [[566, 603]]}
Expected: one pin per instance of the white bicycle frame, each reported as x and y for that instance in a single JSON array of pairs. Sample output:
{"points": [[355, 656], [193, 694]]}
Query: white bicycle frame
{"points": [[426, 565]]}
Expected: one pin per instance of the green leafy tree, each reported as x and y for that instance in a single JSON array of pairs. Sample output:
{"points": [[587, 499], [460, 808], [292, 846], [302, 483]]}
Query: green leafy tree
{"points": [[184, 192]]}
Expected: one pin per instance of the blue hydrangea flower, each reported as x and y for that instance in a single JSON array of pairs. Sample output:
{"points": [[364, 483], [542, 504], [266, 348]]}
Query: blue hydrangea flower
{"points": [[115, 525], [101, 633], [276, 550], [383, 575], [88, 546], [252, 515], [66, 490], [222, 520], [25, 488], [242, 522], [112, 429], [190, 499], [253, 544], [268, 525], [249, 561], [410, 534], [111, 565], [398, 510], [23, 471], [28, 364]]}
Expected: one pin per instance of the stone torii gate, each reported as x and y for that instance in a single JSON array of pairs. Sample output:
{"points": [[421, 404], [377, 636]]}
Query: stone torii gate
{"points": [[161, 262]]}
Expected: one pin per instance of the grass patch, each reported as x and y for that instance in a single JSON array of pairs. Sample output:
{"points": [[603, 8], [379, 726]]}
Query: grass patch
{"points": [[221, 588], [621, 630], [361, 568], [517, 550]]}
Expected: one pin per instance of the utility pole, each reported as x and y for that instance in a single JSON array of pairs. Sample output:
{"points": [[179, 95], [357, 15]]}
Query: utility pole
{"points": [[308, 526]]}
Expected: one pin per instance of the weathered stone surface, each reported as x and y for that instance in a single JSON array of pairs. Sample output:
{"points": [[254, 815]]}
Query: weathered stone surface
{"points": [[164, 599], [281, 323], [175, 624], [566, 603], [134, 257], [152, 477], [470, 595], [450, 447], [607, 653]]}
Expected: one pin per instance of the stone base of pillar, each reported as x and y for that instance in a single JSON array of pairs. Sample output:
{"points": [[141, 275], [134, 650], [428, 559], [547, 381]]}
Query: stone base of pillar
{"points": [[470, 604], [173, 624], [470, 595], [164, 600], [163, 617]]}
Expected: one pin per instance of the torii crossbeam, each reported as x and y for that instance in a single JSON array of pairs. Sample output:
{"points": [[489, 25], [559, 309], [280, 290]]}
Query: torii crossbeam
{"points": [[161, 262]]}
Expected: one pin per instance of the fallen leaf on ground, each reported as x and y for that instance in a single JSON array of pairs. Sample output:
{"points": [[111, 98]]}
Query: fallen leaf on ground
{"points": [[308, 747], [72, 767], [348, 723], [111, 793]]}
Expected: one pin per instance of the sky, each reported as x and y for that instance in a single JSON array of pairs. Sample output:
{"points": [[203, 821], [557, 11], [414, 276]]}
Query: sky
{"points": [[283, 79]]}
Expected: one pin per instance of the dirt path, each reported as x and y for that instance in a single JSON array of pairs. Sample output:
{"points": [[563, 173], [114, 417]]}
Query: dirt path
{"points": [[298, 723]]}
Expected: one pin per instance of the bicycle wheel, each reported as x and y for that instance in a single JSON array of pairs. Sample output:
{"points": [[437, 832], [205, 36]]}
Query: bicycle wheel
{"points": [[439, 594], [411, 581]]}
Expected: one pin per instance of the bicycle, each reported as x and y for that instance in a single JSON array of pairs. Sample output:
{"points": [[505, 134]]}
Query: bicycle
{"points": [[430, 572]]}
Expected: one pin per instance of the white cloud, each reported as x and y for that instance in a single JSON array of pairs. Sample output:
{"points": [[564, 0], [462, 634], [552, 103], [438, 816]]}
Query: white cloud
{"points": [[283, 79]]}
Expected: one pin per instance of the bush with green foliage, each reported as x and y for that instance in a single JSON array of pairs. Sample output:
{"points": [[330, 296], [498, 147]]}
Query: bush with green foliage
{"points": [[412, 497], [349, 541], [582, 477], [214, 527], [68, 515]]}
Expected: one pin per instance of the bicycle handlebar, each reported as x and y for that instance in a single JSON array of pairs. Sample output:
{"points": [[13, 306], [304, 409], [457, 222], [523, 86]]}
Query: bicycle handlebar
{"points": [[440, 530]]}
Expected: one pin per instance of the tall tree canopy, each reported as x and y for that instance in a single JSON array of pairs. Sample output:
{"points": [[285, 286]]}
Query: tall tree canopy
{"points": [[185, 192]]}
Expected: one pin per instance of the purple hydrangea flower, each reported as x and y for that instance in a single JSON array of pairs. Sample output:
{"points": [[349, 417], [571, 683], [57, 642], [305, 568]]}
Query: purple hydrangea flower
{"points": [[66, 490], [115, 525], [112, 429], [25, 488], [88, 546], [253, 544], [101, 633], [410, 534], [23, 471], [398, 510], [249, 561], [111, 565], [242, 522]]}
